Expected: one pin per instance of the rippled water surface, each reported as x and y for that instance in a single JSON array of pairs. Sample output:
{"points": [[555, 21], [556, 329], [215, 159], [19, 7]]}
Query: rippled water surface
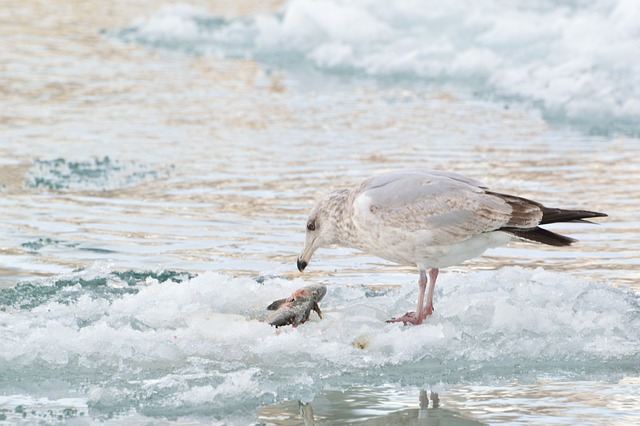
{"points": [[155, 187]]}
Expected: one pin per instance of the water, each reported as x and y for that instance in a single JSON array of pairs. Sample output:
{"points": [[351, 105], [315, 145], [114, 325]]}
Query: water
{"points": [[157, 165]]}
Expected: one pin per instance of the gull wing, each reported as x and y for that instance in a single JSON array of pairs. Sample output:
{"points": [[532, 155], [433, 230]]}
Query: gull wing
{"points": [[443, 207]]}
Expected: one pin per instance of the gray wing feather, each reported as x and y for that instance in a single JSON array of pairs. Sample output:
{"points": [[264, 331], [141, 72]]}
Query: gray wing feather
{"points": [[450, 206]]}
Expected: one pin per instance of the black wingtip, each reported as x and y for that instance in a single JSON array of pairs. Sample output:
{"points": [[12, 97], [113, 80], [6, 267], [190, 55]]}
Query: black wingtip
{"points": [[541, 235], [552, 215]]}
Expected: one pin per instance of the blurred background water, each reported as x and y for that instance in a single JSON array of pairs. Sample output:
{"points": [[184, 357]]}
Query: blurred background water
{"points": [[158, 161]]}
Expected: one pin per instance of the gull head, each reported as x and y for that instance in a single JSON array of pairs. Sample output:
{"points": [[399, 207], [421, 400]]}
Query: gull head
{"points": [[323, 226]]}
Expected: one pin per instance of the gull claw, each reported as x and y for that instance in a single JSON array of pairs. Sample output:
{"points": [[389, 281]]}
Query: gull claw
{"points": [[409, 317]]}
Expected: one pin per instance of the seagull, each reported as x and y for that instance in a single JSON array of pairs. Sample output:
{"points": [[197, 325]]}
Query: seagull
{"points": [[431, 220]]}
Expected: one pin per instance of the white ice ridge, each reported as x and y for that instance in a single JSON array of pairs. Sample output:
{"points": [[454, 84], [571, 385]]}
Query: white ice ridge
{"points": [[572, 59], [204, 340], [491, 316]]}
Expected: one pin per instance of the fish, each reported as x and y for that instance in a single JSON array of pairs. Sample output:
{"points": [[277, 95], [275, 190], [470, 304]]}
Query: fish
{"points": [[295, 309]]}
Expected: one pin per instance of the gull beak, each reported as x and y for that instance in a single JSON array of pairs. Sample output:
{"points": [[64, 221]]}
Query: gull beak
{"points": [[301, 264], [310, 247]]}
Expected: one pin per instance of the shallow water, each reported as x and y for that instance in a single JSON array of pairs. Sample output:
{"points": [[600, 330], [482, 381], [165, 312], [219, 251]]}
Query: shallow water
{"points": [[154, 195]]}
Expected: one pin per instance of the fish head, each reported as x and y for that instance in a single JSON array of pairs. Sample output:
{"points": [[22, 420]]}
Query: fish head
{"points": [[317, 291]]}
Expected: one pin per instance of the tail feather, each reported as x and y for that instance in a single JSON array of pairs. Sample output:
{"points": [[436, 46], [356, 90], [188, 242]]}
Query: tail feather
{"points": [[553, 215], [525, 219]]}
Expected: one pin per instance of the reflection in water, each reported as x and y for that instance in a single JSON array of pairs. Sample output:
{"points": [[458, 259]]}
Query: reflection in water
{"points": [[306, 412], [363, 406], [543, 402]]}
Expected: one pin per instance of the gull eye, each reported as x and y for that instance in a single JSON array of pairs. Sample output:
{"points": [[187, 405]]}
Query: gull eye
{"points": [[311, 226]]}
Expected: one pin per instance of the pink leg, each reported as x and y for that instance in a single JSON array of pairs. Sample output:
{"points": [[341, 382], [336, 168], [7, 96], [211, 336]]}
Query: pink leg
{"points": [[428, 309], [418, 316]]}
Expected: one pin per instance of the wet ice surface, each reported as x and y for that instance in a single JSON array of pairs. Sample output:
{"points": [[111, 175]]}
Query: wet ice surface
{"points": [[166, 345], [202, 170]]}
